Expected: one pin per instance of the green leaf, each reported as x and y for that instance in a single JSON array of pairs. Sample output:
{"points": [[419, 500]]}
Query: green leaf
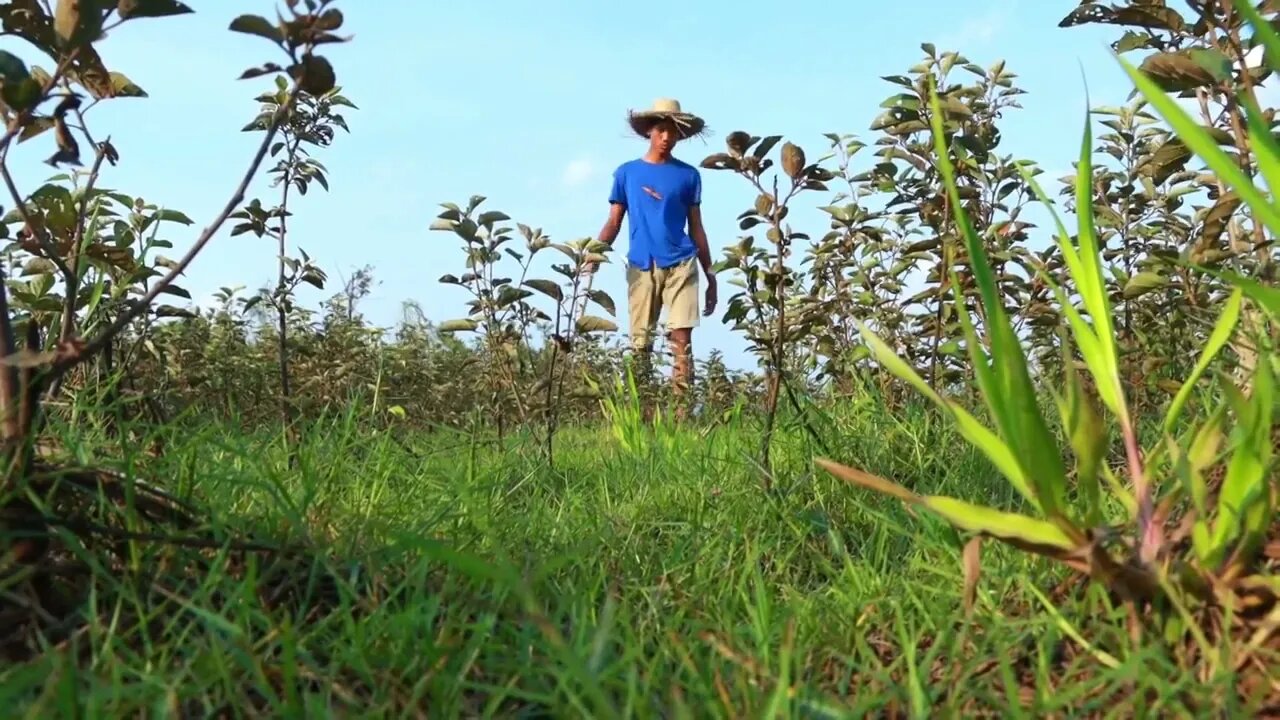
{"points": [[122, 86], [257, 25], [314, 75], [22, 94], [1175, 71], [1142, 283], [602, 299], [130, 9], [1266, 296], [12, 68], [491, 217], [172, 289], [546, 287], [172, 311], [173, 216], [592, 323], [1190, 465], [1265, 148], [461, 325], [509, 295], [1099, 357], [1088, 438], [1213, 61]]}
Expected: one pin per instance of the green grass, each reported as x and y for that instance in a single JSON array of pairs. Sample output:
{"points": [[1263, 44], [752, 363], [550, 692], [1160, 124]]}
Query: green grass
{"points": [[469, 579]]}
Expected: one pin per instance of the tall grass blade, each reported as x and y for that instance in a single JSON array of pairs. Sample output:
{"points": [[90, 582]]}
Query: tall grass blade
{"points": [[1019, 418], [996, 450]]}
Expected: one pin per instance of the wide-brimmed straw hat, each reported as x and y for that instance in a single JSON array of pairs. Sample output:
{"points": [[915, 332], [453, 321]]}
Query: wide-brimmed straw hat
{"points": [[688, 124]]}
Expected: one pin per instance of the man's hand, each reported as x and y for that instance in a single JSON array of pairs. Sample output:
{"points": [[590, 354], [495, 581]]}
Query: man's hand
{"points": [[712, 294]]}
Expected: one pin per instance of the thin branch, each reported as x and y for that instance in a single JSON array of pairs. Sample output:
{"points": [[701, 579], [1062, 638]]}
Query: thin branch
{"points": [[94, 346], [46, 243], [77, 257]]}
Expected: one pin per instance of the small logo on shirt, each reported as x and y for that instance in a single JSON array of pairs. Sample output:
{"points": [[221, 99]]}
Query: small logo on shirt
{"points": [[651, 192]]}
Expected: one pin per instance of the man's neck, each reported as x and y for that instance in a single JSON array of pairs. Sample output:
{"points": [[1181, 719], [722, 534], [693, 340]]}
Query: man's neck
{"points": [[656, 157]]}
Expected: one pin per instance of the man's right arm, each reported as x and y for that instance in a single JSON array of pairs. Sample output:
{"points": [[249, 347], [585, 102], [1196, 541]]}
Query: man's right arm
{"points": [[612, 224], [609, 233], [617, 211]]}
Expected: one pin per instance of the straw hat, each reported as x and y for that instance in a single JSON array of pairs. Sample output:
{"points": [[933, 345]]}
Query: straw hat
{"points": [[688, 124]]}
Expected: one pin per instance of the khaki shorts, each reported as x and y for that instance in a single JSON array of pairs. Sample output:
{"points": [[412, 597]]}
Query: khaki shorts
{"points": [[650, 291]]}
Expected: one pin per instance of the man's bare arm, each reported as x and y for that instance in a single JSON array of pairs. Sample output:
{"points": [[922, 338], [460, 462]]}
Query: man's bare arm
{"points": [[613, 224], [699, 235]]}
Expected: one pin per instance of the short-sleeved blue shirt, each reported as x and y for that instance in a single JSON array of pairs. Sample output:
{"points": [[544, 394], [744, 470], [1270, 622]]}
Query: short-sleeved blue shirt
{"points": [[657, 197]]}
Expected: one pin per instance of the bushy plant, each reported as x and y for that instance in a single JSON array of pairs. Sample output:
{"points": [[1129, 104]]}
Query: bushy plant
{"points": [[1182, 526]]}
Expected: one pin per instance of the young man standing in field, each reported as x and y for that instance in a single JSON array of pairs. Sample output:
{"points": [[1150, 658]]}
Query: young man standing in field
{"points": [[661, 196]]}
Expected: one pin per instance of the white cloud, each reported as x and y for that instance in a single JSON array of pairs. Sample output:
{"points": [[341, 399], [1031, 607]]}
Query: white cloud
{"points": [[578, 172]]}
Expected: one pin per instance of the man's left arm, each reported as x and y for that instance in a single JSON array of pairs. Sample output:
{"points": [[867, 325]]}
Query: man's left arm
{"points": [[696, 231], [699, 235]]}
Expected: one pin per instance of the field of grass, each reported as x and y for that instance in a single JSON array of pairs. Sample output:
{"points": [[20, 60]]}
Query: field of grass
{"points": [[451, 577]]}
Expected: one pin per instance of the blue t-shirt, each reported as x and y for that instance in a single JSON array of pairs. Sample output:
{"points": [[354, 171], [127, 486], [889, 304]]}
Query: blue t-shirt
{"points": [[657, 197]]}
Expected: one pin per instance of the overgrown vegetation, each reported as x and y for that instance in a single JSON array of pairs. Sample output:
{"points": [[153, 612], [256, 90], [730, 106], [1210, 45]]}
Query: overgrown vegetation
{"points": [[473, 515]]}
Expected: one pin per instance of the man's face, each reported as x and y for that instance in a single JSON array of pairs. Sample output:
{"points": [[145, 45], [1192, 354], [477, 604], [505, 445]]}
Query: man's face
{"points": [[664, 136]]}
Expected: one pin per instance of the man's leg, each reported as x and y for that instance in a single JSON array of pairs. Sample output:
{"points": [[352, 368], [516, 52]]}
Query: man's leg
{"points": [[680, 296], [643, 304]]}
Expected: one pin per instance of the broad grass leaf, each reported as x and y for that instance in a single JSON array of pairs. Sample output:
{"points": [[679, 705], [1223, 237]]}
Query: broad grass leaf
{"points": [[1088, 274], [996, 450], [1244, 503], [1020, 420], [1041, 535], [1221, 334], [1046, 537], [1190, 464], [867, 480], [1087, 341], [1088, 438], [885, 355], [1263, 144]]}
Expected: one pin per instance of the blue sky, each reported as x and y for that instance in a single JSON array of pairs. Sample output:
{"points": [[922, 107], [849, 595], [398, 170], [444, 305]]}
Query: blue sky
{"points": [[524, 103]]}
